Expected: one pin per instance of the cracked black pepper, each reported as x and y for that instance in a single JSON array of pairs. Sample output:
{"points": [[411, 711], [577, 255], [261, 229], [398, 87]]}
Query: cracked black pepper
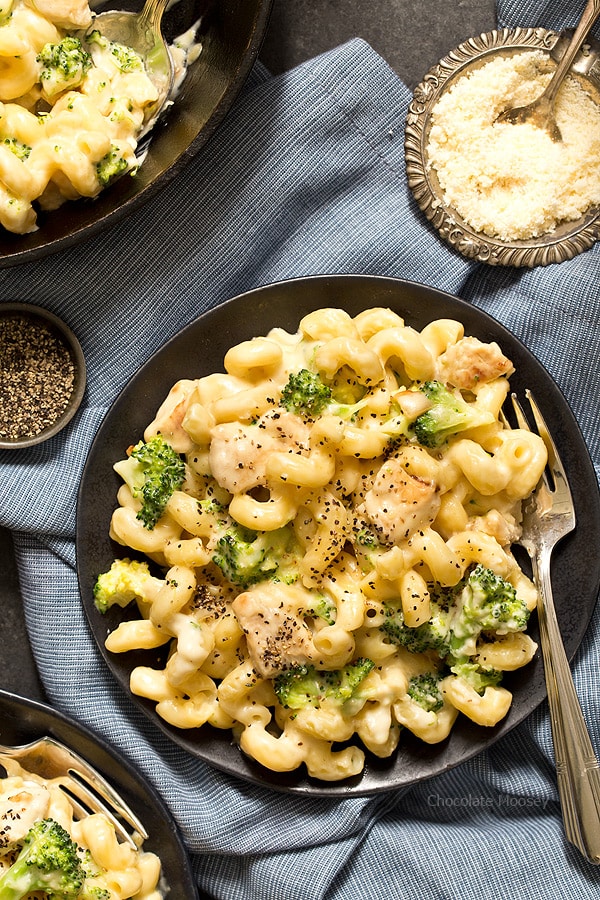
{"points": [[37, 376]]}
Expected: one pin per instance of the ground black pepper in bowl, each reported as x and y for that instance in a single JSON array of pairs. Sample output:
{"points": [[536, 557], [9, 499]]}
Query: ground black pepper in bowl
{"points": [[42, 375]]}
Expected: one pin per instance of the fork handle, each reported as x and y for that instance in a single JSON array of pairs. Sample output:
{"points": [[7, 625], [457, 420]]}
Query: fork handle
{"points": [[577, 769]]}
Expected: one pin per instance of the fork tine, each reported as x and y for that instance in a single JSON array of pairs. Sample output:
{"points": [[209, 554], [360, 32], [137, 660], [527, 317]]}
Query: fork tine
{"points": [[519, 413], [91, 785], [87, 789], [85, 801], [562, 501], [554, 461], [523, 423]]}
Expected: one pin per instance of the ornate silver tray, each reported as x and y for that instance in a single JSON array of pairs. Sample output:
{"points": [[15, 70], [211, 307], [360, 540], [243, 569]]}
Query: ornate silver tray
{"points": [[564, 242]]}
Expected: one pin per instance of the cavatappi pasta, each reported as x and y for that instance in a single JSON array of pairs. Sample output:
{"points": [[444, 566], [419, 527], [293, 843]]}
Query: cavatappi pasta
{"points": [[71, 107], [378, 522], [114, 870]]}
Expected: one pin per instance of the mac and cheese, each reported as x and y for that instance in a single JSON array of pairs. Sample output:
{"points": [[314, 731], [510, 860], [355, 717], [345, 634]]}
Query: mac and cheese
{"points": [[113, 869], [337, 549], [72, 105]]}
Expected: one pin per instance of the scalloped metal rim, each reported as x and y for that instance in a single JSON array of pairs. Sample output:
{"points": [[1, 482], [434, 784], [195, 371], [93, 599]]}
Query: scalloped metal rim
{"points": [[566, 241]]}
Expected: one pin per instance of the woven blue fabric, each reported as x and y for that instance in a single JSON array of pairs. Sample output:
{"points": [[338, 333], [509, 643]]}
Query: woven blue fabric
{"points": [[316, 185]]}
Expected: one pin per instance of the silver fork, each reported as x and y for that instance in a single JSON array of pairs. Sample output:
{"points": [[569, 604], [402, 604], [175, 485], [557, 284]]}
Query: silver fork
{"points": [[87, 791], [548, 516]]}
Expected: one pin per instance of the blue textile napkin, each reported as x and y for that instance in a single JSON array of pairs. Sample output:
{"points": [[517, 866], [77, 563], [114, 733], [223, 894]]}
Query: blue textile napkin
{"points": [[316, 185]]}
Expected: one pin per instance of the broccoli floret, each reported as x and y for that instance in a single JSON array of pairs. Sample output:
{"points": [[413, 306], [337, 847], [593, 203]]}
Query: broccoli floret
{"points": [[323, 608], [303, 686], [305, 393], [64, 65], [125, 58], [48, 861], [481, 602], [126, 580], [111, 166], [163, 472], [153, 471], [367, 546], [449, 414], [484, 602], [425, 690], [475, 675], [365, 537], [212, 505], [431, 635], [492, 602], [21, 150], [247, 557]]}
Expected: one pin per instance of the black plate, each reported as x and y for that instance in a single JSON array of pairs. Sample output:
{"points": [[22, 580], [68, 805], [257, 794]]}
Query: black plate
{"points": [[199, 350], [231, 35], [24, 720]]}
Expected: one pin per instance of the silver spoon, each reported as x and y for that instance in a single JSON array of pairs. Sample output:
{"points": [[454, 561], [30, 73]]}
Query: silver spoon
{"points": [[142, 32], [541, 111]]}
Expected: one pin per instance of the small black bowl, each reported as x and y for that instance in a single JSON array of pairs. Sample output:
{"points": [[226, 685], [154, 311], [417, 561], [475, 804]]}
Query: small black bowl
{"points": [[61, 336]]}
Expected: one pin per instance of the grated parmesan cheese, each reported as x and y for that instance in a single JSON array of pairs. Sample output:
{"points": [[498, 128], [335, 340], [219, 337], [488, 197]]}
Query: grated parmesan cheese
{"points": [[514, 182]]}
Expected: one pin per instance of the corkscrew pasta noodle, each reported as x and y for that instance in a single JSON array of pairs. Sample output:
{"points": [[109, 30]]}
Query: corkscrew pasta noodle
{"points": [[378, 521]]}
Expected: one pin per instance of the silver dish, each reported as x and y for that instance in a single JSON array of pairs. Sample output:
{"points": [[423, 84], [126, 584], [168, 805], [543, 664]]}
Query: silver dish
{"points": [[565, 241]]}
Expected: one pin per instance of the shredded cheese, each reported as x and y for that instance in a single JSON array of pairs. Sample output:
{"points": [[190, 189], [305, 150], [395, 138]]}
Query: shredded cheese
{"points": [[512, 181]]}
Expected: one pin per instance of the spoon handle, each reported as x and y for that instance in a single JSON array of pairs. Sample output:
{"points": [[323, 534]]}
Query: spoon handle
{"points": [[153, 10], [589, 16]]}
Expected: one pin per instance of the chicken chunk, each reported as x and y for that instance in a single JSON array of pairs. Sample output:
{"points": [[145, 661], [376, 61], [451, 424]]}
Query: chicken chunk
{"points": [[502, 526], [20, 810], [239, 453], [276, 636], [399, 502], [470, 362], [65, 13]]}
